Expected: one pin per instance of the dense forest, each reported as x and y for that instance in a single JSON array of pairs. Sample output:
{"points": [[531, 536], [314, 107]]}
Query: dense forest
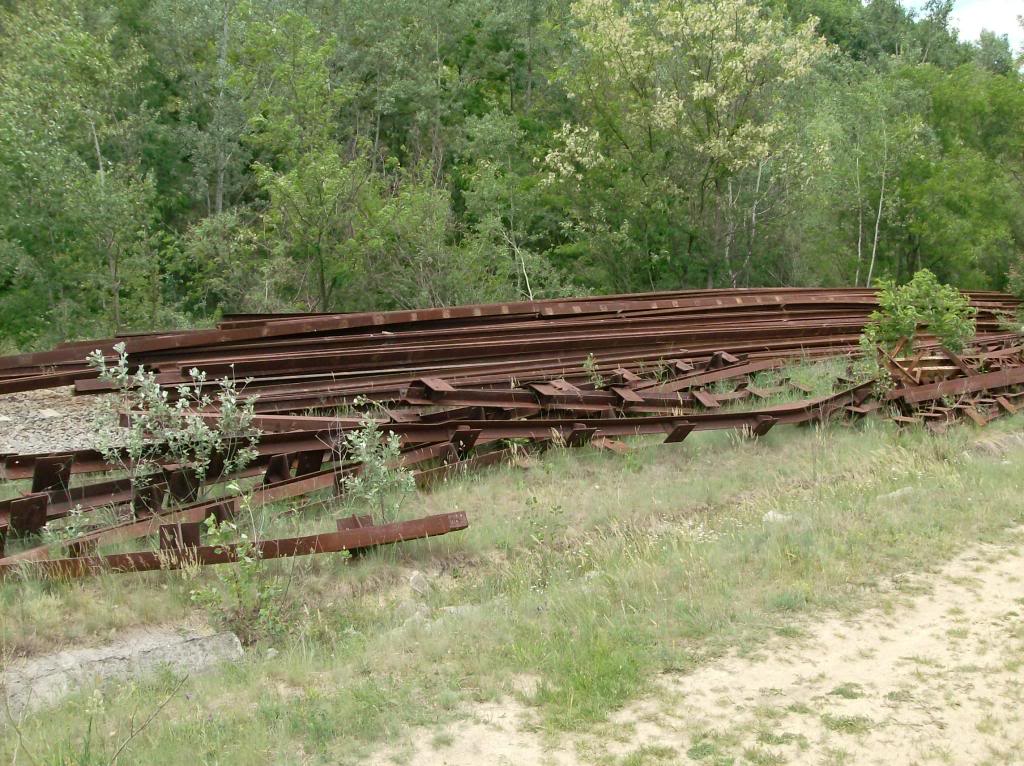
{"points": [[164, 161]]}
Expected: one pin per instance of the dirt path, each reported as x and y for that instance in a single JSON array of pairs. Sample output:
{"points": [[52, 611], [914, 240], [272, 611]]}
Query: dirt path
{"points": [[939, 678]]}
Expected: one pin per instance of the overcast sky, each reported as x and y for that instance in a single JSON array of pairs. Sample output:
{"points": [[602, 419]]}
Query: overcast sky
{"points": [[972, 16]]}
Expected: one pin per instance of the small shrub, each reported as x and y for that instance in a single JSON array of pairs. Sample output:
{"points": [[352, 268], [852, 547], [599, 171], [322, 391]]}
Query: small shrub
{"points": [[922, 302], [592, 368], [1015, 279], [381, 482], [161, 428], [56, 533], [246, 597]]}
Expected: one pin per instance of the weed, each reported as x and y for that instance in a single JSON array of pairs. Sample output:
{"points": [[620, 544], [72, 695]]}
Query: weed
{"points": [[162, 429], [847, 724], [761, 757], [58, 531], [249, 599], [380, 482], [442, 740], [93, 746], [650, 755], [769, 713], [593, 370], [712, 748], [768, 737], [837, 757], [899, 695], [848, 691]]}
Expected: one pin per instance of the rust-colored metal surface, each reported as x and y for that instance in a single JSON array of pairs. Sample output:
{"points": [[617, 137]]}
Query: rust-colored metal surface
{"points": [[180, 548], [466, 387]]}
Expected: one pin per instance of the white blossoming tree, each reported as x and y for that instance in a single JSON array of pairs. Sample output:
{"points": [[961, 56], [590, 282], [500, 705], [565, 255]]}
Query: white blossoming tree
{"points": [[686, 102]]}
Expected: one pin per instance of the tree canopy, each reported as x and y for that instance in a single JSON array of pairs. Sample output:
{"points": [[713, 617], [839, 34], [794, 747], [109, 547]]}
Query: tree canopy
{"points": [[166, 161]]}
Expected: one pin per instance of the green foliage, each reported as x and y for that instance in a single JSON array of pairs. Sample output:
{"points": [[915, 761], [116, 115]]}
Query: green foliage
{"points": [[294, 99], [93, 746], [315, 211], [221, 264], [924, 303], [245, 597], [166, 161], [162, 428], [70, 527], [685, 107], [416, 257], [382, 484], [75, 208], [590, 366], [1016, 278]]}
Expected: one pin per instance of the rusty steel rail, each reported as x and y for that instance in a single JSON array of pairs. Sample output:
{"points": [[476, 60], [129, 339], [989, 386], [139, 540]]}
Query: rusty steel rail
{"points": [[991, 381], [494, 336], [174, 554], [453, 439], [455, 383], [146, 520], [422, 433]]}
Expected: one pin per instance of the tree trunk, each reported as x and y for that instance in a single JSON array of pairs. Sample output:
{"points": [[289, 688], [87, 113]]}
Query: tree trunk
{"points": [[753, 226], [860, 225], [222, 77], [730, 233], [115, 286], [530, 23], [99, 155], [881, 200]]}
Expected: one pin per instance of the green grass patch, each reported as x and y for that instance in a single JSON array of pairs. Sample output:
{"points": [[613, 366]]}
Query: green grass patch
{"points": [[849, 691], [847, 724], [585, 575]]}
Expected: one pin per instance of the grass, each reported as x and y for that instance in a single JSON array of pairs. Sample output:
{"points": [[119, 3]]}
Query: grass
{"points": [[761, 757], [650, 756], [847, 724], [849, 691], [588, 573], [712, 747]]}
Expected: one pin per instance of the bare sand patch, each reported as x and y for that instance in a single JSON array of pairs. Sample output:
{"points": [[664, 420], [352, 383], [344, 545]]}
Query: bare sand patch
{"points": [[935, 677]]}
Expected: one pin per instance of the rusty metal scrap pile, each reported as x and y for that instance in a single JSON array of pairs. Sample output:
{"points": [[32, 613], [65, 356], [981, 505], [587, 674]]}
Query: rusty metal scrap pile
{"points": [[464, 387]]}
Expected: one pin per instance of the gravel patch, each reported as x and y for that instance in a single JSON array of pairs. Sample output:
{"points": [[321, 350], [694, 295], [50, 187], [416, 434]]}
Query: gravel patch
{"points": [[51, 420]]}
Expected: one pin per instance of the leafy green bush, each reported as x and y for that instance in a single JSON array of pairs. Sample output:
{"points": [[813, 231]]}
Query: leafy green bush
{"points": [[246, 598], [593, 370], [162, 429], [922, 303], [1015, 286], [381, 483]]}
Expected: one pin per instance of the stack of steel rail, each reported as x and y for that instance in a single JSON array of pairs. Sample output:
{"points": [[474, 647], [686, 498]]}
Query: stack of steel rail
{"points": [[295, 360], [457, 386]]}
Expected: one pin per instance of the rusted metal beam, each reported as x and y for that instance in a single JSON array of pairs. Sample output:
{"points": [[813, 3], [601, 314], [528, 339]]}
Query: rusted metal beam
{"points": [[328, 542], [990, 381], [431, 476], [52, 474], [28, 513]]}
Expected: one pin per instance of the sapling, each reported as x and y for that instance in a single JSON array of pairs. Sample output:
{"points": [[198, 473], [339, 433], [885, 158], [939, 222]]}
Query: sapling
{"points": [[381, 481], [165, 430]]}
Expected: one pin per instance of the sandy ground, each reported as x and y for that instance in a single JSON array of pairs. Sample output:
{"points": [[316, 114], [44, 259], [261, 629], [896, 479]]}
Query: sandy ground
{"points": [[936, 678]]}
